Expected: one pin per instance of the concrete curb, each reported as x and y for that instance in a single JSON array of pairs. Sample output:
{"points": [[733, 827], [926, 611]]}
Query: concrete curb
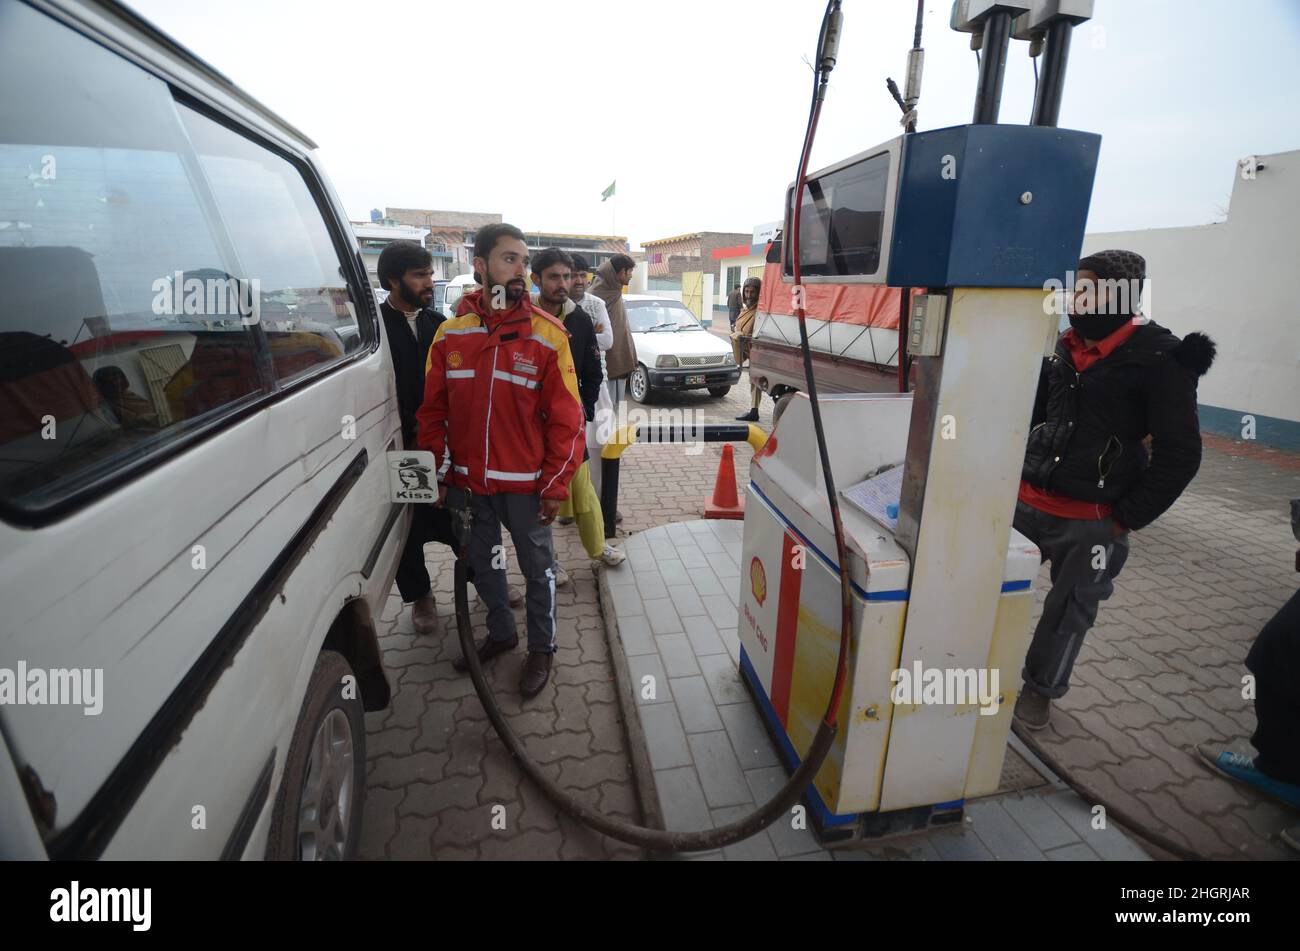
{"points": [[638, 752]]}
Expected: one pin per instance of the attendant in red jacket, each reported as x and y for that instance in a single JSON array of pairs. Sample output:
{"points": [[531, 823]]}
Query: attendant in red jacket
{"points": [[513, 444]]}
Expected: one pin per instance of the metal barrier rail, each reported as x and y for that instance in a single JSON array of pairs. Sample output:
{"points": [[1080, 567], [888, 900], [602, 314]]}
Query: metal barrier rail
{"points": [[628, 436]]}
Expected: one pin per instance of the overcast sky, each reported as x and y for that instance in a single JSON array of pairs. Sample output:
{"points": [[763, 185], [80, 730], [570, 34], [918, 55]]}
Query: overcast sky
{"points": [[697, 107]]}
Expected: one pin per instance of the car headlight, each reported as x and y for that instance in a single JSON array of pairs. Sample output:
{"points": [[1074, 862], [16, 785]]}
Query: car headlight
{"points": [[667, 363], [728, 359]]}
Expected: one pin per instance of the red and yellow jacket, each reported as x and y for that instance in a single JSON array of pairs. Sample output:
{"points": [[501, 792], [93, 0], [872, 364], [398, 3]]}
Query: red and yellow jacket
{"points": [[518, 424]]}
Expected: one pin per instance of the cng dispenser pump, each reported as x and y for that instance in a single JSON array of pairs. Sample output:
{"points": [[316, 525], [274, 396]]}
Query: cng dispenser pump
{"points": [[983, 216]]}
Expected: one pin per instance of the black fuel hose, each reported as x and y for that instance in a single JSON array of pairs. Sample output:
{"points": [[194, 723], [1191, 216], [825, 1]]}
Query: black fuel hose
{"points": [[790, 793]]}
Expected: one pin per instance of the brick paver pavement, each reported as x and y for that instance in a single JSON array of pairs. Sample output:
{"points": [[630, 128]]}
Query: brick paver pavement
{"points": [[1161, 671], [436, 767]]}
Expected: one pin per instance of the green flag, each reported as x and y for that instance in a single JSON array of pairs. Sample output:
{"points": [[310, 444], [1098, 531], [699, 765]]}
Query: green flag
{"points": [[608, 191]]}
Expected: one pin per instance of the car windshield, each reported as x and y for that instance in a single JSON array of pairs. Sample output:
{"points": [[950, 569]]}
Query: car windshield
{"points": [[648, 315]]}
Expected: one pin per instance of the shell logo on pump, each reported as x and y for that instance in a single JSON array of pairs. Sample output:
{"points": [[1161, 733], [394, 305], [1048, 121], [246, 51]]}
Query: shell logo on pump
{"points": [[454, 359], [758, 580]]}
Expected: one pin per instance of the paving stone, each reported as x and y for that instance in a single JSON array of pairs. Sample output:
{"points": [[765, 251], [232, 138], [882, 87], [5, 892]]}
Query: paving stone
{"points": [[721, 609], [703, 635], [1077, 852], [732, 642], [757, 848], [665, 739], [963, 847], [749, 739], [679, 660], [650, 585], [719, 771], [622, 575], [634, 631], [652, 666], [674, 573], [1044, 826], [414, 839], [707, 583], [681, 800], [548, 749], [527, 846], [627, 602], [1110, 843], [787, 840], [692, 557], [1000, 833], [593, 770], [430, 799], [686, 600], [723, 679], [663, 617], [695, 705], [396, 772]]}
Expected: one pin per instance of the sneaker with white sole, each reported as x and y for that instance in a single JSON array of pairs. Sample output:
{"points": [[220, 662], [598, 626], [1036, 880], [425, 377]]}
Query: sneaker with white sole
{"points": [[1242, 768], [612, 556]]}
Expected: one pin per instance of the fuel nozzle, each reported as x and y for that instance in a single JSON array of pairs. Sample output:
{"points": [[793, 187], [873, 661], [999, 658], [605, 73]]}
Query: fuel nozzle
{"points": [[829, 52]]}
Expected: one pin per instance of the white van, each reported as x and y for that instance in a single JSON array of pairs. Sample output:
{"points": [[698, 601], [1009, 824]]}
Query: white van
{"points": [[456, 288], [196, 536]]}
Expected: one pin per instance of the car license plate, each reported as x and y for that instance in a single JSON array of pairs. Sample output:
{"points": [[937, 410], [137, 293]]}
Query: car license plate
{"points": [[695, 381]]}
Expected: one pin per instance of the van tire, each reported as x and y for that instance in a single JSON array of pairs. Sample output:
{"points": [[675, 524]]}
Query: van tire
{"points": [[782, 402], [327, 717]]}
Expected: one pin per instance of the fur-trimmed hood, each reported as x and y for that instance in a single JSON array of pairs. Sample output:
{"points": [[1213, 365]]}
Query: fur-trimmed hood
{"points": [[1196, 352]]}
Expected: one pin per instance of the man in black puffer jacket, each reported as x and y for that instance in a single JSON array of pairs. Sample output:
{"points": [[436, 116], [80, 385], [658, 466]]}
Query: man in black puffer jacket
{"points": [[1088, 478]]}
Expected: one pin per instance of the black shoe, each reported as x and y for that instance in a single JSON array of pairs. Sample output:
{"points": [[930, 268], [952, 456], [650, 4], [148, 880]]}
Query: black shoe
{"points": [[1033, 710], [487, 649], [537, 670], [750, 417]]}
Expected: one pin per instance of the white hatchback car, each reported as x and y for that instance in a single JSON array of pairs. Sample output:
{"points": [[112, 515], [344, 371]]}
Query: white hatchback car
{"points": [[674, 351]]}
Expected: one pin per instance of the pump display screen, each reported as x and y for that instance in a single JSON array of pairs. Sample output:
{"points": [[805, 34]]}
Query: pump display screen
{"points": [[841, 221]]}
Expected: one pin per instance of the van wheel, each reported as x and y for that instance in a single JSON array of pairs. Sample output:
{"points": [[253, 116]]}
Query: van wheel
{"points": [[719, 390], [782, 402], [317, 813], [639, 385]]}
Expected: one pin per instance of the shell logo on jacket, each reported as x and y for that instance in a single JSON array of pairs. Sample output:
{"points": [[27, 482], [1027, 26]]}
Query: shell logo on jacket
{"points": [[501, 411]]}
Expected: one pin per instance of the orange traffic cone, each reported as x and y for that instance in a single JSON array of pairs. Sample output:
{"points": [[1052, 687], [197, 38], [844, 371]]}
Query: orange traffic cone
{"points": [[724, 503]]}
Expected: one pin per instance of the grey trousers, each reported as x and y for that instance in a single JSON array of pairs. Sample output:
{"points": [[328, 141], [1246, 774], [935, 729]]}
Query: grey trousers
{"points": [[536, 553], [1086, 559]]}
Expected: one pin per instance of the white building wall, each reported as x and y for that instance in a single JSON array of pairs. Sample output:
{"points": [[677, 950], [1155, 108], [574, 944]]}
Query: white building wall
{"points": [[1232, 280]]}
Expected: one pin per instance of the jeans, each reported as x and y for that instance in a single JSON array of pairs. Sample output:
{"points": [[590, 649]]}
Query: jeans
{"points": [[536, 553], [1074, 546]]}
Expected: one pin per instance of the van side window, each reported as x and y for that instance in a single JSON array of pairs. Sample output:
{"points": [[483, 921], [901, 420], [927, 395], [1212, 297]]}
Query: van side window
{"points": [[148, 287], [283, 245]]}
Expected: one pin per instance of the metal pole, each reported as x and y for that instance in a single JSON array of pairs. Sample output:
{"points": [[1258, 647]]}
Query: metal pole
{"points": [[993, 67], [1051, 84]]}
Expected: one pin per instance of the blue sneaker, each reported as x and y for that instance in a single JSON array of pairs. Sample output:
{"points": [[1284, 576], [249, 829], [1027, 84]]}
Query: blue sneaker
{"points": [[1240, 767]]}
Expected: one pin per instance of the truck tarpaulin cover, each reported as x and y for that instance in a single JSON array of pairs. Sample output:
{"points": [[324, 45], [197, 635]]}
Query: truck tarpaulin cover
{"points": [[867, 305]]}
